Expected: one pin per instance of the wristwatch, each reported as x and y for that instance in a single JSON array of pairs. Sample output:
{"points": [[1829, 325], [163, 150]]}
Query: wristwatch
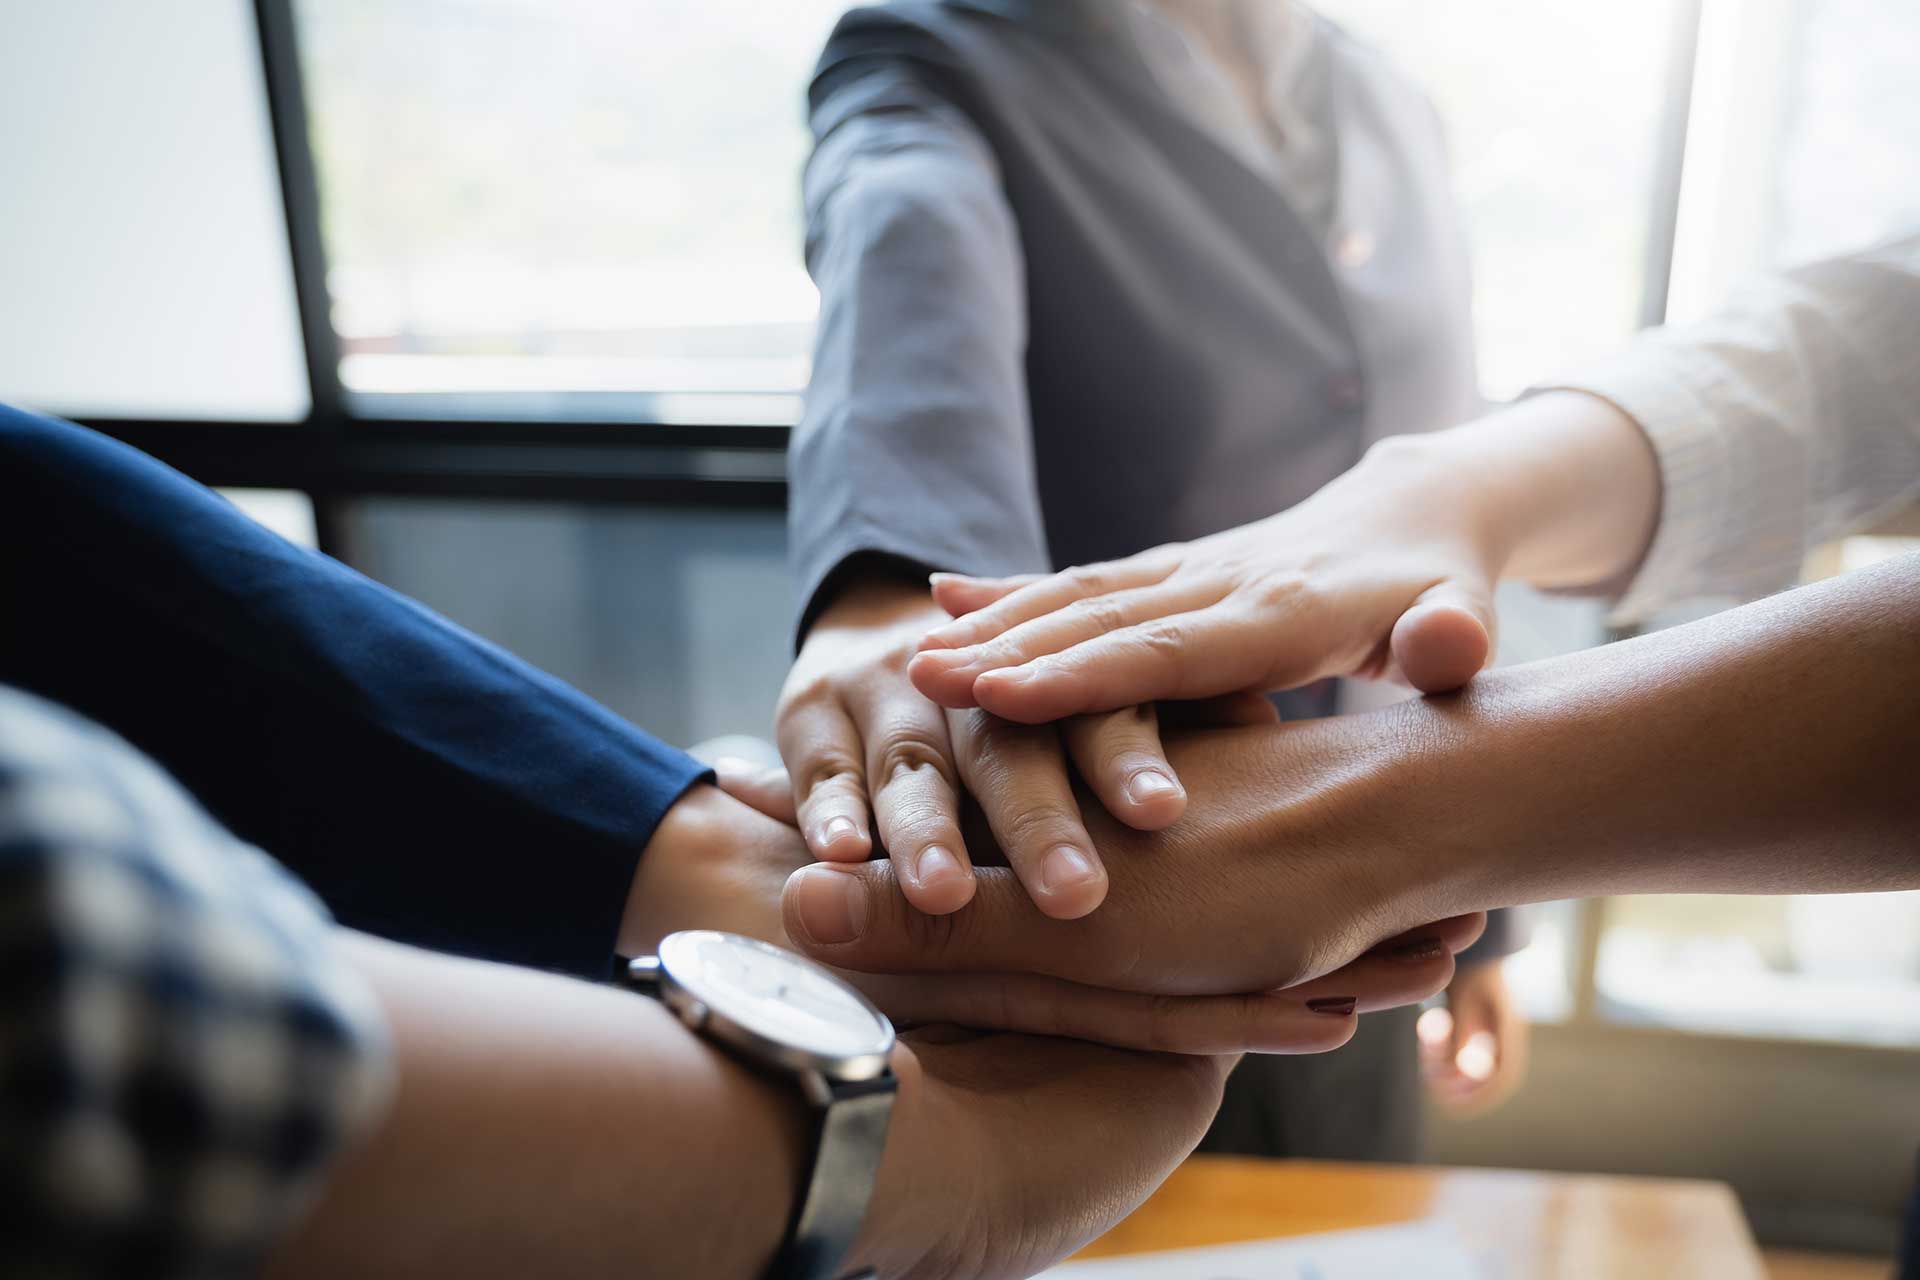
{"points": [[783, 1014]]}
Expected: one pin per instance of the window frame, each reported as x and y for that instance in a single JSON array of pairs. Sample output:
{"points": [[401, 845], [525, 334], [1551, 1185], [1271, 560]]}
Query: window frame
{"points": [[337, 453]]}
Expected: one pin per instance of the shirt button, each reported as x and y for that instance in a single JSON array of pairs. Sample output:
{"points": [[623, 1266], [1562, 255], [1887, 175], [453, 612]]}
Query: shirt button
{"points": [[1354, 249], [1344, 392]]}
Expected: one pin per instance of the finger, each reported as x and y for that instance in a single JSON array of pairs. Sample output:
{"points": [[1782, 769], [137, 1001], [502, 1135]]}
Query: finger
{"points": [[821, 747], [1047, 594], [1202, 654], [1263, 1022], [854, 917], [1455, 933], [1445, 638], [916, 806], [947, 675], [1381, 980], [1120, 757], [1018, 775], [959, 593], [768, 790]]}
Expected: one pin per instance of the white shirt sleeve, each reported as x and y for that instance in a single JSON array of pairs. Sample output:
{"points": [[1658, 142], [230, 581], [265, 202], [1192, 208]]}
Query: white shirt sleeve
{"points": [[1790, 418]]}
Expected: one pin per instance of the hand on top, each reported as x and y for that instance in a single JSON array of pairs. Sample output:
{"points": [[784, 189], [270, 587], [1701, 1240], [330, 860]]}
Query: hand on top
{"points": [[1386, 572]]}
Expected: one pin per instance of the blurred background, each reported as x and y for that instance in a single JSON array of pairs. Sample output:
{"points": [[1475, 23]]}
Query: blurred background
{"points": [[502, 302]]}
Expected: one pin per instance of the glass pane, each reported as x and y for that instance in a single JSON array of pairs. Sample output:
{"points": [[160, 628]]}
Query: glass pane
{"points": [[679, 620], [1836, 967], [590, 204], [143, 253], [1552, 110], [287, 512], [1804, 127]]}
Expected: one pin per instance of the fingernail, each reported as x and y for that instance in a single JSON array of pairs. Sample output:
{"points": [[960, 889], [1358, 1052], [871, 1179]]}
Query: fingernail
{"points": [[831, 905], [1150, 784], [834, 830], [1063, 867], [1419, 951], [936, 864], [1334, 1006]]}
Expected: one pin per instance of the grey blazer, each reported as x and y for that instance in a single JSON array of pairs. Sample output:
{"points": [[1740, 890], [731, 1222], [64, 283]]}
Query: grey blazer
{"points": [[1061, 321]]}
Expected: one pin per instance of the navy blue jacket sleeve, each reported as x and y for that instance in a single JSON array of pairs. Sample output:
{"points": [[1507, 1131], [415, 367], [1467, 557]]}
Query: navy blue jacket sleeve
{"points": [[430, 786]]}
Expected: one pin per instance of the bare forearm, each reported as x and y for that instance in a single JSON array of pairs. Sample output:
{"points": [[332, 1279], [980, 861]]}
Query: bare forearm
{"points": [[544, 1126], [1771, 748], [1562, 489]]}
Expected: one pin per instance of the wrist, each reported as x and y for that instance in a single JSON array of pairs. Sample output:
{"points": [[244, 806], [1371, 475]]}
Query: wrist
{"points": [[878, 601], [897, 1223], [1433, 491], [714, 862]]}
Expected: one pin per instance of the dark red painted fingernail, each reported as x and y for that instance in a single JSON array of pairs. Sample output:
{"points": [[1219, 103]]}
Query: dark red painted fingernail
{"points": [[1335, 1006], [1419, 951]]}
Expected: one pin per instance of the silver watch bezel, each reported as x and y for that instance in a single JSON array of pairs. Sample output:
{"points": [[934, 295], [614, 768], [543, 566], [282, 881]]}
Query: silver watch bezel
{"points": [[654, 974]]}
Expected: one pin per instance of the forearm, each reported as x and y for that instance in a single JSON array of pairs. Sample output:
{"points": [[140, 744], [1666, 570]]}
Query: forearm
{"points": [[1768, 749], [1560, 490], [545, 1126]]}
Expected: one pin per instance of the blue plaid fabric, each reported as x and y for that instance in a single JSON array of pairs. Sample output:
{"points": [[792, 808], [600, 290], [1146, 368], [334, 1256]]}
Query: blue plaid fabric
{"points": [[182, 1051]]}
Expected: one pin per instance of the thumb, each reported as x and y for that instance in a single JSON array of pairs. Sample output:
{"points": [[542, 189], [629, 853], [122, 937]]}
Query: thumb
{"points": [[1446, 637]]}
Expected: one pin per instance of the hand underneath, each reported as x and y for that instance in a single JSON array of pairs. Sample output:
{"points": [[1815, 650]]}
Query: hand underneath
{"points": [[861, 742], [1306, 848], [1386, 572], [1008, 1152], [716, 863], [1474, 1051]]}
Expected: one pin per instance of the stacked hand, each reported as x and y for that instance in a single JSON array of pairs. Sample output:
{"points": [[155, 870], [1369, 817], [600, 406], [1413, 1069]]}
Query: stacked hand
{"points": [[871, 757], [986, 1170], [1373, 576], [719, 863]]}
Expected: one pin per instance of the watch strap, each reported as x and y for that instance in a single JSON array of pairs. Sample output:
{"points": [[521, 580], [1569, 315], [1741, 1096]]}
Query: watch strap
{"points": [[850, 1133]]}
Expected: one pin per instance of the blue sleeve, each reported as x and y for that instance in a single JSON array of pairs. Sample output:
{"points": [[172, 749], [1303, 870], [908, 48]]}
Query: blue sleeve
{"points": [[430, 786]]}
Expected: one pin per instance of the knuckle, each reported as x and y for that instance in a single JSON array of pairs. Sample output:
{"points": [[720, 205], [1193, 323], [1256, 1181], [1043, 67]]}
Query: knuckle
{"points": [[805, 689], [1281, 592], [1091, 578], [931, 937], [1101, 613], [830, 771], [906, 753], [1034, 825], [1164, 642]]}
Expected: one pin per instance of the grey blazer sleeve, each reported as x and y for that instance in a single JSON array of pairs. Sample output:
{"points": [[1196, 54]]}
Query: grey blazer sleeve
{"points": [[915, 439]]}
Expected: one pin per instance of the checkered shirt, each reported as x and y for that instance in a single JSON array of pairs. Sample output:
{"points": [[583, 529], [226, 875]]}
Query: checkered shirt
{"points": [[183, 1052]]}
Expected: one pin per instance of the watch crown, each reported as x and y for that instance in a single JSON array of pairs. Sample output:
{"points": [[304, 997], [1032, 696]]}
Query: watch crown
{"points": [[643, 973]]}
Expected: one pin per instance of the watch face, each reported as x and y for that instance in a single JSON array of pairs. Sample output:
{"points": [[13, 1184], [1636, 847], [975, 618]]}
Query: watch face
{"points": [[775, 994]]}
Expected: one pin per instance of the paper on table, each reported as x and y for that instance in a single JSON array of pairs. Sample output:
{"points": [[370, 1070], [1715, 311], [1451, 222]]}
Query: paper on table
{"points": [[1430, 1250]]}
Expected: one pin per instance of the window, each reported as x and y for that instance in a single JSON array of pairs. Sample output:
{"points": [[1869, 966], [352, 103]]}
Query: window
{"points": [[1553, 112], [583, 206], [144, 270], [1804, 120]]}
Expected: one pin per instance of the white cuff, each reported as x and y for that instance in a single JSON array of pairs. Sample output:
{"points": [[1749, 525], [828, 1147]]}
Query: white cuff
{"points": [[1658, 388]]}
